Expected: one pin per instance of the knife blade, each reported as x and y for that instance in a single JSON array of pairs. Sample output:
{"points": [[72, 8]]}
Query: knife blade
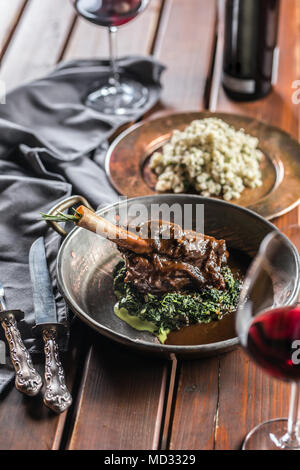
{"points": [[57, 397], [27, 379], [43, 299]]}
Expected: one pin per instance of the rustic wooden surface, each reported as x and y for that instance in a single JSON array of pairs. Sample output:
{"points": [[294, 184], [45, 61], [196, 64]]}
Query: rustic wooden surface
{"points": [[121, 400]]}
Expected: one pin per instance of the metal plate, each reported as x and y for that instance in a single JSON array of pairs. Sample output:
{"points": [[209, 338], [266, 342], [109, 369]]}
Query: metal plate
{"points": [[128, 169], [86, 262]]}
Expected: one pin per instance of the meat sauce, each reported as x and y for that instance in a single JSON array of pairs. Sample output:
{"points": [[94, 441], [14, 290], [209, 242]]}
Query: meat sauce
{"points": [[179, 260], [215, 331]]}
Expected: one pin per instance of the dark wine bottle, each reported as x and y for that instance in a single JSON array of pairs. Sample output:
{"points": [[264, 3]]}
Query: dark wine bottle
{"points": [[250, 48]]}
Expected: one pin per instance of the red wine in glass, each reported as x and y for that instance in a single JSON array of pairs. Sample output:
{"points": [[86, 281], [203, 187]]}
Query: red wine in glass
{"points": [[110, 12], [117, 94], [274, 342], [268, 326]]}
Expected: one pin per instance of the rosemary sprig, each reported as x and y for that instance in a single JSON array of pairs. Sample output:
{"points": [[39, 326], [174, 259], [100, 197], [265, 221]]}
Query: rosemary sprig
{"points": [[61, 217]]}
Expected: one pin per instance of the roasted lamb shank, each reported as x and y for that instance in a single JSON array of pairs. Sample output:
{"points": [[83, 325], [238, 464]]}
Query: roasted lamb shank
{"points": [[160, 256]]}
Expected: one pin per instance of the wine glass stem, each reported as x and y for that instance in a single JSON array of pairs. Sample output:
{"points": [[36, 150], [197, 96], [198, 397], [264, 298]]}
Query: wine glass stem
{"points": [[114, 78], [292, 438], [294, 412]]}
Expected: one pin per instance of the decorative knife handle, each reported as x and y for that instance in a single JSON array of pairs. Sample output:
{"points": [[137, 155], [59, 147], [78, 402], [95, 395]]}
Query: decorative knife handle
{"points": [[57, 397], [27, 381]]}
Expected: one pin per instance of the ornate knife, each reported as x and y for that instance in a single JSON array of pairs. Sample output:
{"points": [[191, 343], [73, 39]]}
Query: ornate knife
{"points": [[27, 380], [57, 396]]}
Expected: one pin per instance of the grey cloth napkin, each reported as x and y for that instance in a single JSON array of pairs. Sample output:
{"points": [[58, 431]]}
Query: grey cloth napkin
{"points": [[51, 146]]}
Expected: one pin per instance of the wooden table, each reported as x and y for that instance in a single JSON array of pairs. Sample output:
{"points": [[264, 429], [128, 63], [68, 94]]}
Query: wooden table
{"points": [[123, 400]]}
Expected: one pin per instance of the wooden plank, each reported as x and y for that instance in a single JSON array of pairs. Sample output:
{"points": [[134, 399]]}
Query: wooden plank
{"points": [[121, 398], [247, 396], [121, 401], [185, 44], [172, 385], [10, 13], [37, 43], [196, 404], [91, 41]]}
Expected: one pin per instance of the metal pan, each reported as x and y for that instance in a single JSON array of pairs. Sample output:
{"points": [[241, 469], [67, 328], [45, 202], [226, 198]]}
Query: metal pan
{"points": [[86, 261]]}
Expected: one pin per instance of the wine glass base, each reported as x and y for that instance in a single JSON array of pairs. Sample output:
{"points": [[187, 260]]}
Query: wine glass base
{"points": [[123, 98], [271, 435]]}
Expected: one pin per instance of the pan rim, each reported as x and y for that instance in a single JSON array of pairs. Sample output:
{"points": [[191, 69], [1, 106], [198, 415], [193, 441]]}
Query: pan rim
{"points": [[159, 348]]}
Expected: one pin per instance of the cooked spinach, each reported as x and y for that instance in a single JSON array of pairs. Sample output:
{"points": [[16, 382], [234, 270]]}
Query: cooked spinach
{"points": [[171, 311]]}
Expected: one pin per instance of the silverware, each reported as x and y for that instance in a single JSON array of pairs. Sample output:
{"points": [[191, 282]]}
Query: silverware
{"points": [[27, 380], [57, 396]]}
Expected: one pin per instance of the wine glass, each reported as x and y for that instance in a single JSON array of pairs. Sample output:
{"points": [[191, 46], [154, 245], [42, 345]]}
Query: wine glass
{"points": [[268, 326], [117, 95]]}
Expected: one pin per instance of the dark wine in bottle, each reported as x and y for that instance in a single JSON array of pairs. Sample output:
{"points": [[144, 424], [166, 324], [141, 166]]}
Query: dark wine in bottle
{"points": [[250, 48]]}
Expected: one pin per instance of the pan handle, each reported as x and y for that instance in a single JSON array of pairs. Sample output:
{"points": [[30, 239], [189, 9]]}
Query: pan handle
{"points": [[61, 207]]}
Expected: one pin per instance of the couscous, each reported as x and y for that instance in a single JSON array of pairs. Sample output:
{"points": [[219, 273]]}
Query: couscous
{"points": [[210, 158]]}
